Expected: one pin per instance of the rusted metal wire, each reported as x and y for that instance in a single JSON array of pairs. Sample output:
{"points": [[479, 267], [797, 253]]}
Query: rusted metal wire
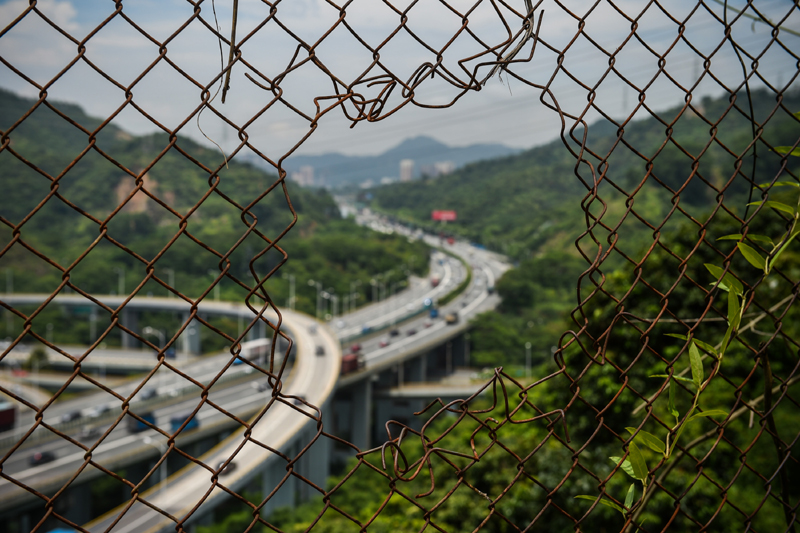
{"points": [[569, 423]]}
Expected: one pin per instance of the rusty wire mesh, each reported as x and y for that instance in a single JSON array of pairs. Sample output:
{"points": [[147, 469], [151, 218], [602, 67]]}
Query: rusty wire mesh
{"points": [[620, 321]]}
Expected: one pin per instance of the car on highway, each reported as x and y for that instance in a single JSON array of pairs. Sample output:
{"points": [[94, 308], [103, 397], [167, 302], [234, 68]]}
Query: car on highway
{"points": [[40, 458], [88, 432], [394, 333], [320, 350], [355, 348], [451, 319], [99, 410], [264, 385], [230, 467], [383, 343], [410, 332], [147, 394], [69, 417]]}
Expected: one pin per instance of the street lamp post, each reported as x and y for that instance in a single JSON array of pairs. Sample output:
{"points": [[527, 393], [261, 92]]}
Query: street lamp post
{"points": [[528, 360], [162, 448], [171, 277], [147, 330], [318, 285], [216, 286], [353, 295], [291, 278], [120, 280]]}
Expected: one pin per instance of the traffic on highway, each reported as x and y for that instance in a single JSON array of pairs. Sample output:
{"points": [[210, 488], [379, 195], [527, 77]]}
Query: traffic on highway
{"points": [[402, 323]]}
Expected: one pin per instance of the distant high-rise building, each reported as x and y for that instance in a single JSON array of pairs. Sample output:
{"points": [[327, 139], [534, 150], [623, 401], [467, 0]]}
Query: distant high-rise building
{"points": [[406, 170], [304, 176], [444, 168]]}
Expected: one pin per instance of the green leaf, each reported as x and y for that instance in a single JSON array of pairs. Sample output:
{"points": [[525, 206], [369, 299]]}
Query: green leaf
{"points": [[753, 257], [697, 365], [649, 440], [734, 314], [710, 412], [780, 184], [728, 280], [704, 345], [602, 501], [775, 205], [677, 336], [637, 462], [629, 496], [672, 410], [625, 466], [751, 236], [679, 378], [794, 234], [787, 150]]}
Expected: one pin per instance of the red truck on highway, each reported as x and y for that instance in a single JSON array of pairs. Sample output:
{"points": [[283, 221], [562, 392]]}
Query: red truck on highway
{"points": [[352, 362], [8, 415]]}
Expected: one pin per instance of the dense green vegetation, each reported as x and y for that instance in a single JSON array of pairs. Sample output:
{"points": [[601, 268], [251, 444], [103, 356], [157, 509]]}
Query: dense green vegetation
{"points": [[189, 230], [528, 206]]}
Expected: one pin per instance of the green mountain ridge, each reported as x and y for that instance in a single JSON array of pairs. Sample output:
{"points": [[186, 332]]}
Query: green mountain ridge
{"points": [[185, 223], [527, 204]]}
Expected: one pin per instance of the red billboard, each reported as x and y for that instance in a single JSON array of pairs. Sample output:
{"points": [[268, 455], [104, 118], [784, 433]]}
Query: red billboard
{"points": [[443, 215]]}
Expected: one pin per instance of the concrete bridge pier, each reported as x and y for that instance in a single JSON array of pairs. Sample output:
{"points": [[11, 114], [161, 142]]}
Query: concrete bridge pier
{"points": [[130, 319], [189, 340], [272, 476], [416, 370]]}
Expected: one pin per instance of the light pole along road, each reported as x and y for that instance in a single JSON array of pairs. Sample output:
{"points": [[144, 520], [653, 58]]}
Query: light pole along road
{"points": [[312, 377]]}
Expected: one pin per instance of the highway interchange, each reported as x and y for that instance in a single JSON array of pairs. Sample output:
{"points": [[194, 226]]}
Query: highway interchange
{"points": [[312, 377]]}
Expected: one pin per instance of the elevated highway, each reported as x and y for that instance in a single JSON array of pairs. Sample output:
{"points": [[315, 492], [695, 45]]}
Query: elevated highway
{"points": [[399, 339]]}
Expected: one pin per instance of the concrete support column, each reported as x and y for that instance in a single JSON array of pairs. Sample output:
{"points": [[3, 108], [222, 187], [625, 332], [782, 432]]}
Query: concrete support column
{"points": [[318, 457], [361, 421], [270, 479], [448, 358], [459, 351], [77, 503], [189, 340], [130, 319], [417, 369]]}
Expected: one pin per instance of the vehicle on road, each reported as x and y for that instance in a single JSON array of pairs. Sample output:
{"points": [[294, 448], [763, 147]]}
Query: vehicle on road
{"points": [[176, 421], [355, 348], [320, 350], [383, 343], [351, 362], [394, 332], [88, 432], [365, 329], [435, 281], [69, 417], [148, 394], [224, 469], [410, 332], [136, 426], [264, 385], [40, 458], [8, 416], [451, 318]]}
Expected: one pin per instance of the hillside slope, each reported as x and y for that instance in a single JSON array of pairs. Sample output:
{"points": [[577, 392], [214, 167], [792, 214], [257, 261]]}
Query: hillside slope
{"points": [[529, 203]]}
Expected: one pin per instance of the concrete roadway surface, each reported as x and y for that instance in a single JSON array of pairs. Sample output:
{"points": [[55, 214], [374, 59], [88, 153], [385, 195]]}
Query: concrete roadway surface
{"points": [[313, 377], [423, 331], [165, 384]]}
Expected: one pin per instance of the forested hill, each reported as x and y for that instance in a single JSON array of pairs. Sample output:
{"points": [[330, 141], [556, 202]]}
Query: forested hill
{"points": [[530, 202], [322, 246]]}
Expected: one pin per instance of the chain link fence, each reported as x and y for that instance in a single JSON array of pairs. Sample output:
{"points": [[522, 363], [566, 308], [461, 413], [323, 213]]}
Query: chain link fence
{"points": [[672, 403]]}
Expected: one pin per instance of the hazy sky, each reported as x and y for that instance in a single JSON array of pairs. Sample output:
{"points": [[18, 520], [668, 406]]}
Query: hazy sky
{"points": [[504, 111]]}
